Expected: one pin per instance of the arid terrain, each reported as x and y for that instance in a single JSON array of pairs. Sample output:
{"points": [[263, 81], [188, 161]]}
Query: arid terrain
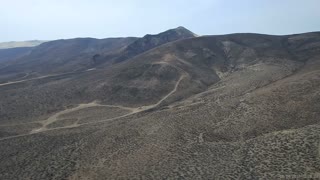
{"points": [[168, 106]]}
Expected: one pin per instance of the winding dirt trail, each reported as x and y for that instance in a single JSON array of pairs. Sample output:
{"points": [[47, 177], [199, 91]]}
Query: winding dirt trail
{"points": [[15, 82], [166, 96], [54, 117], [25, 80], [42, 77]]}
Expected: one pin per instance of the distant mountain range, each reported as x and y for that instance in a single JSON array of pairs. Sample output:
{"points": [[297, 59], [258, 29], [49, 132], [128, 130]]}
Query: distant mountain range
{"points": [[168, 106], [16, 44]]}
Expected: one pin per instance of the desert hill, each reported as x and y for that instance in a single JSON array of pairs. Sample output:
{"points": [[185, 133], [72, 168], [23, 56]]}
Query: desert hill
{"points": [[166, 106]]}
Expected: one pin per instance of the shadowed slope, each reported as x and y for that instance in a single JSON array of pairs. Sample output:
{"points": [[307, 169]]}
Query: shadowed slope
{"points": [[62, 56]]}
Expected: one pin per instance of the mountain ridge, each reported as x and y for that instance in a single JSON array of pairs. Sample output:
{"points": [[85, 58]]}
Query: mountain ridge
{"points": [[88, 52]]}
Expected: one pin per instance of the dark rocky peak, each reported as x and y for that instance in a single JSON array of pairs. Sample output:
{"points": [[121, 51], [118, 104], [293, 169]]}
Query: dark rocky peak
{"points": [[151, 41], [176, 33]]}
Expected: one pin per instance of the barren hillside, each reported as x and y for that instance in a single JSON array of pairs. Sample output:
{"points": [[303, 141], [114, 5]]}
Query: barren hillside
{"points": [[166, 106]]}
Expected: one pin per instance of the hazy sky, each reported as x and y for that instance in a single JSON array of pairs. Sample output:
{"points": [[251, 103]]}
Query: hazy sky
{"points": [[57, 19]]}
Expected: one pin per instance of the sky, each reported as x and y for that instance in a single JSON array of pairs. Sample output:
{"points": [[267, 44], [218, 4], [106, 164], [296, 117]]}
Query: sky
{"points": [[62, 19]]}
